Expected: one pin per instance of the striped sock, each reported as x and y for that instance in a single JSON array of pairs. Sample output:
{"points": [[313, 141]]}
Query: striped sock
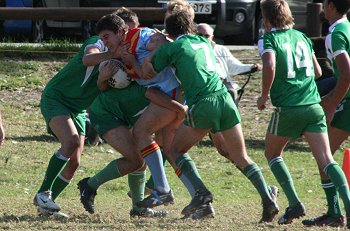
{"points": [[336, 174], [153, 158], [189, 170], [59, 185], [150, 182], [186, 182], [332, 198], [136, 181], [253, 173], [280, 170], [56, 165]]}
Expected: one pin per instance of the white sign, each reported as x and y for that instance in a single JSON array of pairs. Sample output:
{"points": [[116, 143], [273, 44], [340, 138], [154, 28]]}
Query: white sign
{"points": [[202, 8], [199, 6]]}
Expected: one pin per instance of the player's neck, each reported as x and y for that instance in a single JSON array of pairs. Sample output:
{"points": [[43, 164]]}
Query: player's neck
{"points": [[335, 18]]}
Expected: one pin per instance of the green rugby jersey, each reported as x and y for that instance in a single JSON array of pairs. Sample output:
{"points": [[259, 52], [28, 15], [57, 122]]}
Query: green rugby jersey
{"points": [[75, 85], [338, 42], [194, 60], [294, 83]]}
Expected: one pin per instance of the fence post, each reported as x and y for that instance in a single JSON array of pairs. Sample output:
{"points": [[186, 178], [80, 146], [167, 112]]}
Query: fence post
{"points": [[313, 20]]}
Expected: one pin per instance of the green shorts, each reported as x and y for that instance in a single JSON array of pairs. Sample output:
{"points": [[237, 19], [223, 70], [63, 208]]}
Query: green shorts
{"points": [[51, 107], [116, 107], [104, 123], [294, 121], [341, 119], [216, 111]]}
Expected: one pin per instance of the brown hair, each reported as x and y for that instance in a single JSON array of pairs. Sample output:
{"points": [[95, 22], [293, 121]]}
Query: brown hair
{"points": [[178, 5], [110, 22], [128, 15], [277, 12], [179, 22]]}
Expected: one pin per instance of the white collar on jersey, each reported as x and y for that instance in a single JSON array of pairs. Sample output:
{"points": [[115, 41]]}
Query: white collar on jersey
{"points": [[277, 28], [180, 36], [337, 22]]}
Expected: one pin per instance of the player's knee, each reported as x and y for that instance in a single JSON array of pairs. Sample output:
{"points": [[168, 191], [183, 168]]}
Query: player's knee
{"points": [[137, 163], [72, 144]]}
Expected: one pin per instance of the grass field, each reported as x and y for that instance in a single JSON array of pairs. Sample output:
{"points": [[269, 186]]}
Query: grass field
{"points": [[25, 154]]}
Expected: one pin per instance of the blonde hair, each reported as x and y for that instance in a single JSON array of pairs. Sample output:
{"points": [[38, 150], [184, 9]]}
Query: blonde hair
{"points": [[278, 13], [180, 5]]}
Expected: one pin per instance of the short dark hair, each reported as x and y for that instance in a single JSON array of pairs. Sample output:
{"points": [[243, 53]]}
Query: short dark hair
{"points": [[178, 23], [110, 22], [128, 15], [342, 6]]}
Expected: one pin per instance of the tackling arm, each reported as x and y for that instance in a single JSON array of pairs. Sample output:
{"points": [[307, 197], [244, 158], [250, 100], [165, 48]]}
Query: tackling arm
{"points": [[93, 56], [160, 98]]}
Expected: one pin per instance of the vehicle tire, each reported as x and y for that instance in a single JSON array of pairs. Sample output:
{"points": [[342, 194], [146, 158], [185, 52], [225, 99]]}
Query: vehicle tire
{"points": [[38, 31], [38, 25]]}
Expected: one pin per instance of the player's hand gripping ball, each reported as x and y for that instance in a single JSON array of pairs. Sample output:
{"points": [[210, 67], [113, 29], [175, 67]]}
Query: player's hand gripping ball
{"points": [[120, 78]]}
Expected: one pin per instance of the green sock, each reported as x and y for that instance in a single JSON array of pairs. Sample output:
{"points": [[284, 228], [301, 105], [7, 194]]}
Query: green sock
{"points": [[110, 172], [188, 167], [150, 182], [332, 198], [136, 182], [56, 164], [280, 170], [253, 173], [58, 186], [338, 178]]}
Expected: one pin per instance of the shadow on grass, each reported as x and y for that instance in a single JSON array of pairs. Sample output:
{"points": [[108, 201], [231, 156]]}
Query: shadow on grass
{"points": [[38, 138], [293, 146], [7, 218]]}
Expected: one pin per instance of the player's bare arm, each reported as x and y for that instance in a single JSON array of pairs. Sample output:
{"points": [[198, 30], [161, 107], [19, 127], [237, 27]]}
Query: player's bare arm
{"points": [[162, 99], [93, 56], [330, 101], [317, 67], [268, 76], [157, 39], [147, 67]]}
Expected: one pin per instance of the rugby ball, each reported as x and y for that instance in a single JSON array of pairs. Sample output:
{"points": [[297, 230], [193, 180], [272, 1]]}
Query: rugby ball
{"points": [[120, 78]]}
